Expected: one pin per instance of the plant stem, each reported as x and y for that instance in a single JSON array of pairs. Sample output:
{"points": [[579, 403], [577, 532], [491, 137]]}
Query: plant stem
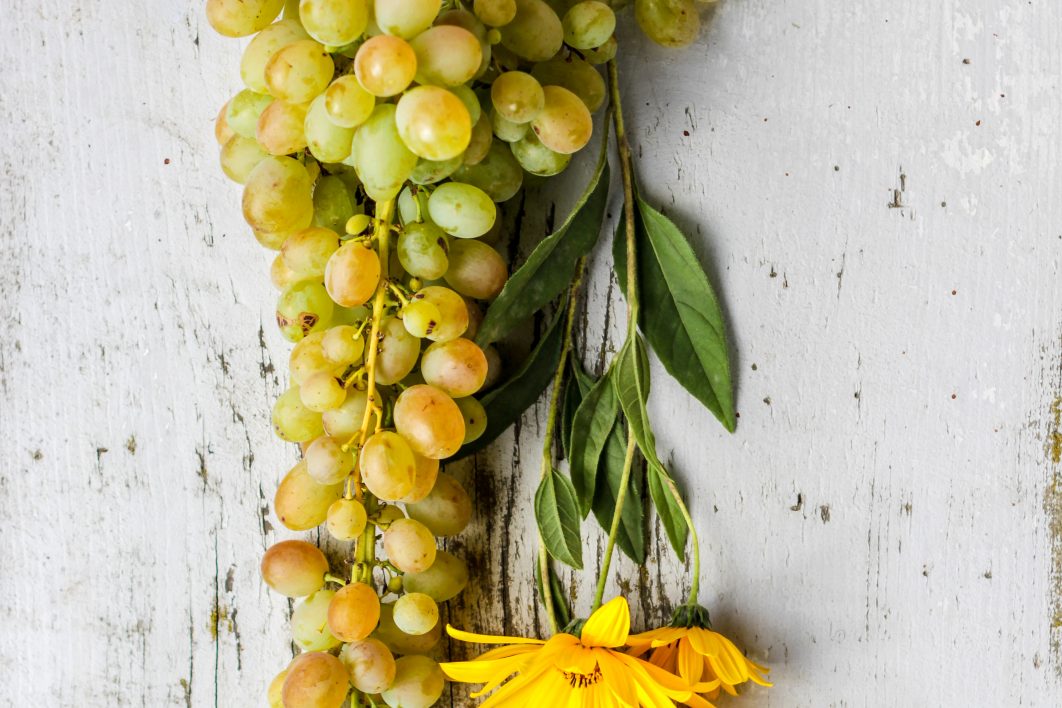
{"points": [[695, 583], [617, 516], [627, 172]]}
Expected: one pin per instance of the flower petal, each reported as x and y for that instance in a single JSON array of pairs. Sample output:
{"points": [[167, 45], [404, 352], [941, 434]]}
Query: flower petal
{"points": [[617, 678], [690, 664], [480, 671], [609, 625], [488, 638]]}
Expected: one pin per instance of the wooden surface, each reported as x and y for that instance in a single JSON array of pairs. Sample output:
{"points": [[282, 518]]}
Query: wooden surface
{"points": [[874, 188]]}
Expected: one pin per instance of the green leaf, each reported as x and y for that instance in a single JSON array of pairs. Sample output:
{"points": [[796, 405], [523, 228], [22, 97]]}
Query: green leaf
{"points": [[668, 509], [577, 385], [557, 515], [507, 402], [594, 420], [680, 312], [551, 266], [631, 384], [560, 602], [631, 535]]}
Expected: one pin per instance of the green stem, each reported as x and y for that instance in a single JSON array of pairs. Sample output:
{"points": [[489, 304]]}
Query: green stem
{"points": [[617, 516], [695, 584]]}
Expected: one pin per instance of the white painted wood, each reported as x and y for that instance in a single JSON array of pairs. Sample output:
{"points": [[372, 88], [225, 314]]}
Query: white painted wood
{"points": [[875, 189]]}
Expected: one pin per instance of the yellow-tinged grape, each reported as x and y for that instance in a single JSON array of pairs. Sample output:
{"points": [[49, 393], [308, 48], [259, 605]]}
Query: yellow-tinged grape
{"points": [[600, 55], [239, 18], [322, 392], [498, 173], [475, 319], [280, 275], [430, 422], [358, 224], [309, 623], [303, 308], [506, 130], [385, 65], [565, 124], [380, 156], [294, 568], [458, 368], [433, 122], [588, 24], [388, 467], [397, 354], [307, 358], [433, 171], [240, 156], [316, 680], [424, 479], [419, 683], [446, 510], [494, 367], [370, 664], [276, 690], [443, 581], [334, 201], [354, 612], [389, 513], [299, 72], [409, 545], [670, 23], [536, 33], [422, 250], [343, 345], [466, 20], [475, 416], [293, 421], [346, 519], [476, 270], [281, 128], [470, 99], [308, 251], [327, 462], [405, 18], [496, 13], [462, 210], [420, 317], [416, 613], [223, 132], [517, 96], [262, 48], [352, 274], [481, 140], [447, 55], [244, 110], [277, 196], [300, 502], [344, 422], [576, 75], [334, 22], [327, 141], [347, 103], [538, 159], [398, 641], [454, 312]]}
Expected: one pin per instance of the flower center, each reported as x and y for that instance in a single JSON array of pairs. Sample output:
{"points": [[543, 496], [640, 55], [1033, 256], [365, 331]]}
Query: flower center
{"points": [[583, 680]]}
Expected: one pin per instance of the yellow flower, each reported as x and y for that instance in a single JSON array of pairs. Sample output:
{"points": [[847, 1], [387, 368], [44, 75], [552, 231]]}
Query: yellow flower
{"points": [[706, 660], [567, 671]]}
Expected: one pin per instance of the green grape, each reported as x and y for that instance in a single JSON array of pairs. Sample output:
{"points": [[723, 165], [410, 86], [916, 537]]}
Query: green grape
{"points": [[430, 422], [416, 613], [433, 123], [405, 18], [294, 568], [326, 140], [506, 130], [470, 99], [334, 22], [223, 132], [498, 173], [447, 55], [600, 55], [307, 358], [422, 250], [272, 240], [475, 415], [346, 519], [343, 345], [564, 125], [307, 252], [467, 21], [517, 96], [327, 461], [322, 392], [348, 104], [496, 13], [389, 513], [419, 683], [333, 202], [538, 159], [385, 65], [494, 367], [443, 581], [671, 23], [316, 680], [243, 112], [409, 545], [358, 224], [380, 156], [458, 368], [277, 196], [281, 128], [262, 48], [240, 156], [420, 317], [453, 310], [370, 664], [354, 612], [293, 421], [276, 690], [446, 511], [309, 623], [240, 18], [300, 502], [423, 480], [432, 171], [352, 274], [299, 72], [536, 33], [344, 422], [576, 75], [397, 353], [349, 315], [462, 210], [303, 308], [588, 24], [388, 467], [476, 270], [398, 641], [280, 275], [480, 142]]}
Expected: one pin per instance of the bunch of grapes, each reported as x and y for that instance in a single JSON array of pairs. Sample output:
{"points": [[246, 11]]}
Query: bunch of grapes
{"points": [[374, 139]]}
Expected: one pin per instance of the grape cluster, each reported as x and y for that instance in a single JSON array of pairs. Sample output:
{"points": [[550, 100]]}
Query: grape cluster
{"points": [[374, 139]]}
